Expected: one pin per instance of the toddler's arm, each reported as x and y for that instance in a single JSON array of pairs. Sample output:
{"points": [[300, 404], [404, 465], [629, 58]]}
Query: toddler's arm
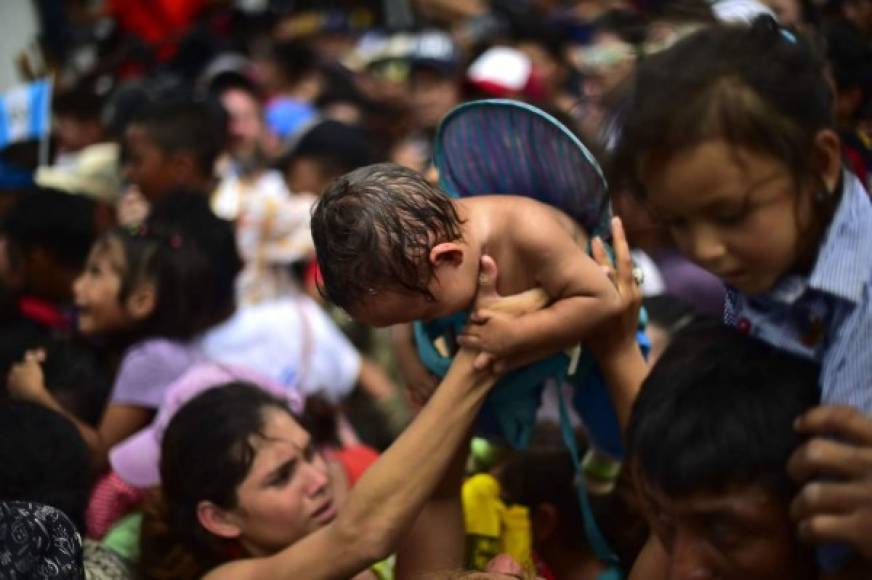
{"points": [[582, 296]]}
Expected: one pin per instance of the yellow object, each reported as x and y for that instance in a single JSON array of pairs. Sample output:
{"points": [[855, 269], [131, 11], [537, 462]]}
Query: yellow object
{"points": [[492, 527]]}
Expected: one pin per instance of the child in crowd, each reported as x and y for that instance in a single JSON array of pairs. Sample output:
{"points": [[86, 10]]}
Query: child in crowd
{"points": [[149, 290], [173, 145], [44, 242], [748, 177], [392, 249]]}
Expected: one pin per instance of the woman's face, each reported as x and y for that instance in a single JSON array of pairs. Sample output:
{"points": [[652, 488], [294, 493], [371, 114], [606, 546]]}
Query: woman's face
{"points": [[287, 493]]}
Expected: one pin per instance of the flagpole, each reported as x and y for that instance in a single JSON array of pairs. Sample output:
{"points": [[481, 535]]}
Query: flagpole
{"points": [[46, 135]]}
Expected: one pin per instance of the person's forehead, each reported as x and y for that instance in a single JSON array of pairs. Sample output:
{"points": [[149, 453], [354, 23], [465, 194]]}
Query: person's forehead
{"points": [[138, 136], [237, 99], [280, 439], [742, 500], [707, 174]]}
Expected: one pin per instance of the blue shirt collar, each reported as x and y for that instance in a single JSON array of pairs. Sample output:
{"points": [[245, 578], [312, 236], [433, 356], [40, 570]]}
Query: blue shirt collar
{"points": [[842, 266]]}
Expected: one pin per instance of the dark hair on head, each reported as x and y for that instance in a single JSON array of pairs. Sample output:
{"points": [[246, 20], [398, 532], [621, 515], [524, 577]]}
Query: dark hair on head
{"points": [[195, 127], [62, 223], [718, 409], [206, 453], [373, 229], [81, 103], [850, 57], [44, 459], [544, 476], [336, 147], [758, 87], [628, 25], [681, 11], [233, 80], [295, 59], [190, 255]]}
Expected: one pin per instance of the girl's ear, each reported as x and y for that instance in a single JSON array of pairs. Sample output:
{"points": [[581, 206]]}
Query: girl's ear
{"points": [[142, 301], [828, 158], [217, 521]]}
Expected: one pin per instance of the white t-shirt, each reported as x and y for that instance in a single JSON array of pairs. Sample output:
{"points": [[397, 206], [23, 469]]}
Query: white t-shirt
{"points": [[290, 340]]}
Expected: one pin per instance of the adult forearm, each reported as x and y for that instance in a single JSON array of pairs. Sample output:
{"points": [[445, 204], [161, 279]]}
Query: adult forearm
{"points": [[391, 493], [624, 369]]}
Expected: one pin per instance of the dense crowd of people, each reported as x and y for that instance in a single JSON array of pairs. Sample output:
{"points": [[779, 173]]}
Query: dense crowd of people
{"points": [[569, 290]]}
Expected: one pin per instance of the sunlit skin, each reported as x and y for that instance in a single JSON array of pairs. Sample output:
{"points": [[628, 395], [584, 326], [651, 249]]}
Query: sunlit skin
{"points": [[287, 493], [97, 292], [735, 213], [742, 532]]}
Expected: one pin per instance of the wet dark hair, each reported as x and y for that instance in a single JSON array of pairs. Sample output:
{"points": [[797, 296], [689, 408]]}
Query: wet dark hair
{"points": [[373, 229], [190, 255], [718, 409], [182, 125], [759, 87], [44, 459], [206, 453]]}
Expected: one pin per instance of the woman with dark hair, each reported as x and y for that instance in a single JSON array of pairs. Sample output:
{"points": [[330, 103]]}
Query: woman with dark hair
{"points": [[245, 493]]}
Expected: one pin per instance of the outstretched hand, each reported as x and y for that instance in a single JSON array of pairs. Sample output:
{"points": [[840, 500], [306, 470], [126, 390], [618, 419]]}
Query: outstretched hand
{"points": [[619, 331], [834, 469]]}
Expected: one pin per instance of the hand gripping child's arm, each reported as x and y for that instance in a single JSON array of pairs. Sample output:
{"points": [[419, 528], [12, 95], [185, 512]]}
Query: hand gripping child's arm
{"points": [[581, 294]]}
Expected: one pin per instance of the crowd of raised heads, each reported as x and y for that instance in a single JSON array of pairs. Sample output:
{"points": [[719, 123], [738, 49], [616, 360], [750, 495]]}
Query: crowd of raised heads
{"points": [[435, 289]]}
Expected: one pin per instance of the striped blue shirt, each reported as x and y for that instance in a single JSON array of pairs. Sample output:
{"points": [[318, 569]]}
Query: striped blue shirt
{"points": [[827, 315]]}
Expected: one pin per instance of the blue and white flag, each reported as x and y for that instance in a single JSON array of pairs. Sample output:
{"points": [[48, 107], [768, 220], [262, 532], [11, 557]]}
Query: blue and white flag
{"points": [[25, 112]]}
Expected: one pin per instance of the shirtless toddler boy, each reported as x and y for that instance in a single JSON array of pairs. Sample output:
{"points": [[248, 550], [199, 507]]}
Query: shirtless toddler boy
{"points": [[394, 249]]}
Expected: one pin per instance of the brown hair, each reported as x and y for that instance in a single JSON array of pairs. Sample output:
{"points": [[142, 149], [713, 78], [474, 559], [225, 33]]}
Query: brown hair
{"points": [[373, 228]]}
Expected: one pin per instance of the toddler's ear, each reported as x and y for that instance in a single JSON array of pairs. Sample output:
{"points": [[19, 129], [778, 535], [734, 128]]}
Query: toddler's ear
{"points": [[446, 253], [142, 301]]}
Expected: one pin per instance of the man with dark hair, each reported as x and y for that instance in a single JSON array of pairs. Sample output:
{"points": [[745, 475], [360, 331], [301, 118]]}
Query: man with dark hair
{"points": [[709, 439]]}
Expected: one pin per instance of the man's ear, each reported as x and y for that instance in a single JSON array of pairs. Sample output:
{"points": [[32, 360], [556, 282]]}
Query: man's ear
{"points": [[141, 303], [446, 253], [217, 521], [543, 521], [828, 158]]}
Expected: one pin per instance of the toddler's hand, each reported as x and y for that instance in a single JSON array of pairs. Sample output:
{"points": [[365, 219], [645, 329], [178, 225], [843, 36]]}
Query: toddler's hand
{"points": [[25, 379], [491, 332], [835, 472]]}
